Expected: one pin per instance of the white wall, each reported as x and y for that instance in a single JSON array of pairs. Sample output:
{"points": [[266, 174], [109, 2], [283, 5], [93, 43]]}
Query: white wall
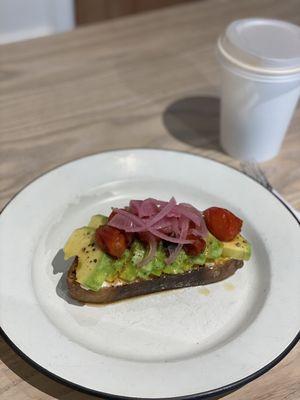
{"points": [[24, 19]]}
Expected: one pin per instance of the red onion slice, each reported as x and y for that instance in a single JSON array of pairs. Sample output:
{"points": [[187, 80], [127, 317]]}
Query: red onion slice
{"points": [[163, 223], [196, 232], [190, 214], [129, 222], [183, 234], [173, 254], [162, 213], [159, 203], [133, 217], [121, 222], [191, 207], [134, 206], [148, 208], [196, 216], [151, 252], [143, 208], [169, 238]]}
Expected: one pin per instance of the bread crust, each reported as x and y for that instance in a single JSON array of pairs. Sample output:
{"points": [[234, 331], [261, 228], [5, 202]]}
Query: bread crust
{"points": [[202, 275]]}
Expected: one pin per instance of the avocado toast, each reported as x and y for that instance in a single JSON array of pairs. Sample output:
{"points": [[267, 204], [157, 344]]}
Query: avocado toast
{"points": [[162, 250]]}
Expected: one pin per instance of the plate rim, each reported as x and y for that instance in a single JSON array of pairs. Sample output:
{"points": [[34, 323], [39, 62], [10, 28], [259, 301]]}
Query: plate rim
{"points": [[202, 395]]}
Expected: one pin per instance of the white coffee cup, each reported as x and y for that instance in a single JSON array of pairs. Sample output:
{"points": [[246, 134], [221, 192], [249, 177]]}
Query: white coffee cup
{"points": [[260, 86]]}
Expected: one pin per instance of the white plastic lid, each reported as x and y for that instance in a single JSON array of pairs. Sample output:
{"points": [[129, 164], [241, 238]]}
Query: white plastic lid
{"points": [[266, 46]]}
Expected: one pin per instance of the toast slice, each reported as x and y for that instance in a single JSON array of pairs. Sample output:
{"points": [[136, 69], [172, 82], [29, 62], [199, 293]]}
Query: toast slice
{"points": [[202, 275]]}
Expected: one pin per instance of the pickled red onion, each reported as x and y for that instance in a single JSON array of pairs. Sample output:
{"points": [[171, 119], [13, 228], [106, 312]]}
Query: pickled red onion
{"points": [[166, 220], [151, 252], [162, 213], [171, 239], [183, 234]]}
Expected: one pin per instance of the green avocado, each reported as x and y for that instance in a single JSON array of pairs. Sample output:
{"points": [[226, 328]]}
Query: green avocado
{"points": [[92, 274], [184, 263], [97, 220], [129, 272], [238, 248], [179, 265], [102, 271], [133, 271], [118, 265], [94, 266], [155, 266], [213, 248], [79, 238]]}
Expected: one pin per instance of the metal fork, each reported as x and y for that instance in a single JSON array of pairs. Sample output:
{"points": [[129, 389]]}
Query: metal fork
{"points": [[253, 170]]}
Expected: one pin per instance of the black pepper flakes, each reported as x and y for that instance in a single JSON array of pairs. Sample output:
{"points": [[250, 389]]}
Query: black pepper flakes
{"points": [[95, 260]]}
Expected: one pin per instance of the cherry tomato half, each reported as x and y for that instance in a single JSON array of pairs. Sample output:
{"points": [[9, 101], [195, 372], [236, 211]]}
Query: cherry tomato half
{"points": [[111, 240], [195, 248], [129, 236], [222, 223]]}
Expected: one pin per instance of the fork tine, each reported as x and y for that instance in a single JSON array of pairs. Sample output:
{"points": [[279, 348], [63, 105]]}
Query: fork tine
{"points": [[253, 170], [263, 176]]}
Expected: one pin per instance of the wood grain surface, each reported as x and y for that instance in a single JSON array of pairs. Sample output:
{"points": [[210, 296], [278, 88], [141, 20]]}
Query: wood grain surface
{"points": [[145, 81]]}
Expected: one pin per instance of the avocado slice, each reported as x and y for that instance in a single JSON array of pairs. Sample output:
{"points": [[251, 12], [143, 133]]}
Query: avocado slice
{"points": [[238, 248], [179, 265], [213, 248], [97, 220], [155, 266], [129, 273], [94, 266], [199, 260], [93, 278], [137, 252], [118, 265], [80, 238]]}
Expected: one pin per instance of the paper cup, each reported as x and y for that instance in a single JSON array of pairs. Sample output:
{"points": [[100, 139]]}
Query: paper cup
{"points": [[260, 86]]}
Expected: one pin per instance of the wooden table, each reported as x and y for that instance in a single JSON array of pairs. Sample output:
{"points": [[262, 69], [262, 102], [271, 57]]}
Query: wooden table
{"points": [[146, 81]]}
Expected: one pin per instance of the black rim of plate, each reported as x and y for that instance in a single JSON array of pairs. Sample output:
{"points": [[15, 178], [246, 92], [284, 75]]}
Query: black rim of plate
{"points": [[203, 395]]}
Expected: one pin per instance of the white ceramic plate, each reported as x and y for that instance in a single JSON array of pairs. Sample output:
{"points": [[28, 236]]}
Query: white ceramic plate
{"points": [[173, 344]]}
